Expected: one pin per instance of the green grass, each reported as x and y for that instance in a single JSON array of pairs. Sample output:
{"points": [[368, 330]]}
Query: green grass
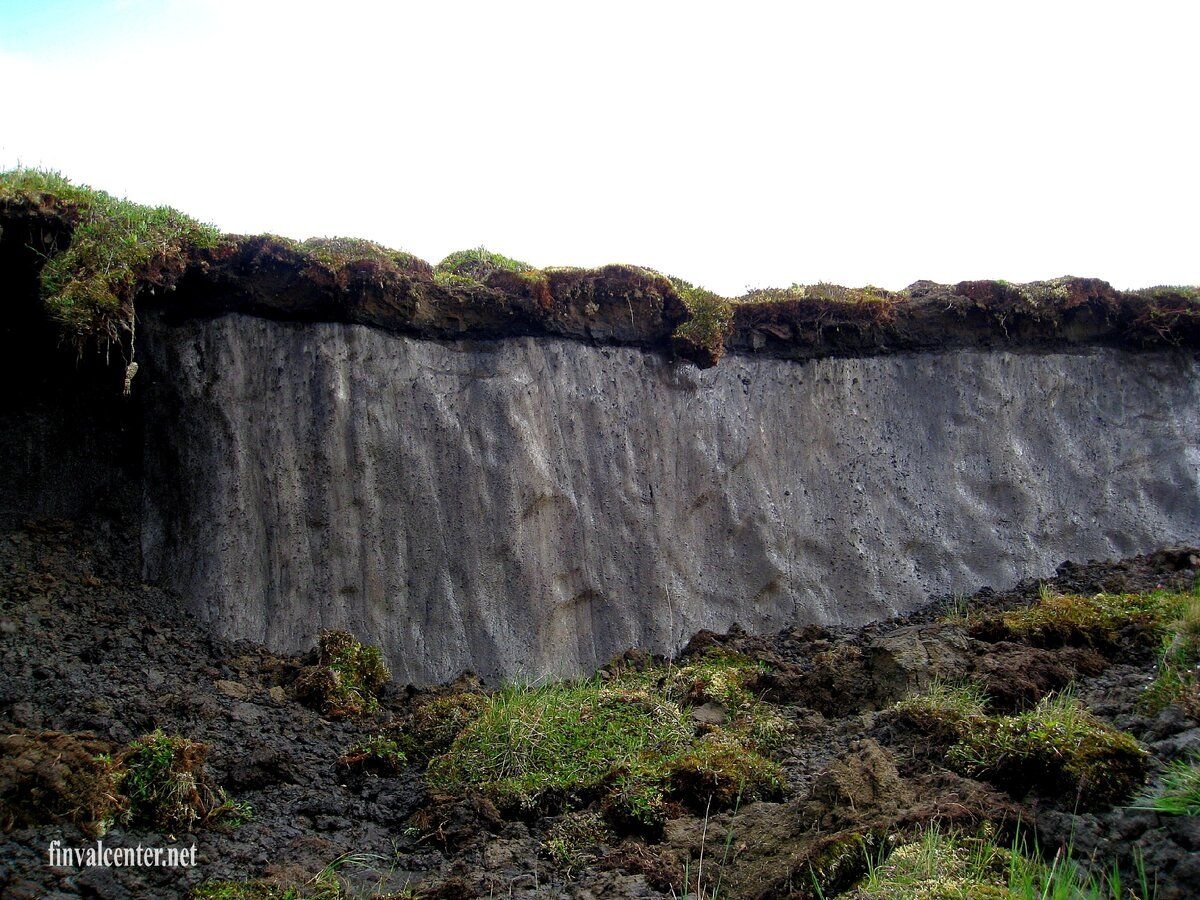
{"points": [[947, 864], [476, 264], [702, 334], [875, 301], [565, 738], [954, 702], [1102, 615], [1178, 676], [1056, 748], [379, 753], [162, 780], [627, 743], [1178, 794], [116, 245], [338, 253]]}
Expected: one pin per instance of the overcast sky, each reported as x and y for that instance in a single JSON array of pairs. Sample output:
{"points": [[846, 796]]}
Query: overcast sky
{"points": [[733, 144]]}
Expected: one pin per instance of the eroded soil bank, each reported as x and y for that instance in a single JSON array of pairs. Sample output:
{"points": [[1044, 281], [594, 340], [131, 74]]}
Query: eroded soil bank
{"points": [[532, 507], [87, 648]]}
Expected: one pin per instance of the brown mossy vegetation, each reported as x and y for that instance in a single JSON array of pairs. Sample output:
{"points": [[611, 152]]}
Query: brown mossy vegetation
{"points": [[165, 784], [378, 755], [435, 720], [52, 777], [156, 781], [346, 678]]}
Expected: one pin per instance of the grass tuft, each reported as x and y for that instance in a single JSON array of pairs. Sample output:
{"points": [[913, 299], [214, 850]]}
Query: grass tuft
{"points": [[1178, 794], [948, 864], [701, 336], [379, 754], [115, 246], [562, 740], [164, 784], [477, 264], [338, 253], [1056, 748], [958, 701], [1178, 677], [628, 743], [1061, 618]]}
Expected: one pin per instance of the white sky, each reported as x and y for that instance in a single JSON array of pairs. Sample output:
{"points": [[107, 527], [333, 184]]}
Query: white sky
{"points": [[733, 144]]}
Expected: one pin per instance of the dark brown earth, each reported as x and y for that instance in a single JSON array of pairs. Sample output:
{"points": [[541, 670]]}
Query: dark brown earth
{"points": [[93, 655], [621, 304]]}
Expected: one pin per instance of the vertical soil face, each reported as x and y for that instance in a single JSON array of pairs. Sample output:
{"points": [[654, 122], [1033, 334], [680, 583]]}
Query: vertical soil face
{"points": [[535, 506]]}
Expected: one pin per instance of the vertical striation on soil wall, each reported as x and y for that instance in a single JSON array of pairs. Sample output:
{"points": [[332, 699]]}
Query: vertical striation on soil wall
{"points": [[533, 506]]}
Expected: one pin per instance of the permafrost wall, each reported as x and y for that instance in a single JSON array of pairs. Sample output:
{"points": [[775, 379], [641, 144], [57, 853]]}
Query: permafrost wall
{"points": [[533, 506]]}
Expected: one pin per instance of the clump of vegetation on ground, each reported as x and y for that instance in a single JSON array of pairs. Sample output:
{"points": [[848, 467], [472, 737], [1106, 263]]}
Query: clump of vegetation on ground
{"points": [[948, 864], [480, 266], [1178, 677], [573, 839], [115, 245], [378, 754], [701, 336], [1058, 619], [945, 701], [163, 782], [347, 677], [435, 721], [51, 776], [1058, 748], [875, 303], [338, 253], [628, 744], [1178, 792], [158, 780]]}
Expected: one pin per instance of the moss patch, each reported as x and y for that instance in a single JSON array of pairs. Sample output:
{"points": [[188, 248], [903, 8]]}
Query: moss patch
{"points": [[347, 677], [875, 303], [1178, 677], [341, 253], [435, 721], [1100, 620]]}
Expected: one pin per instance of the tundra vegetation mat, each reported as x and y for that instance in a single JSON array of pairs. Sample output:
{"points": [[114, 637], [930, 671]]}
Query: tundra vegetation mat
{"points": [[1038, 742], [93, 260]]}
